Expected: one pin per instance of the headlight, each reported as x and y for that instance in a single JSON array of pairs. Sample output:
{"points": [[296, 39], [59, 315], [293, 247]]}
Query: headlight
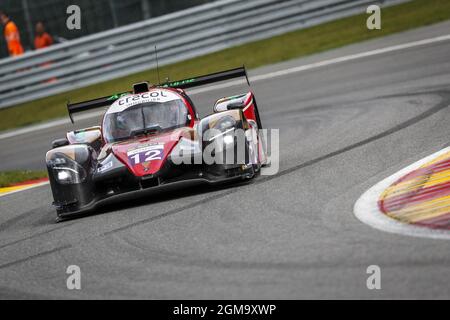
{"points": [[67, 171], [225, 123], [223, 128], [228, 139], [63, 175]]}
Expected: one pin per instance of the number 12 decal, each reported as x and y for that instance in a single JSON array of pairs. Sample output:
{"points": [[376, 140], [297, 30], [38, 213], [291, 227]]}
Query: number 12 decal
{"points": [[153, 155], [145, 155]]}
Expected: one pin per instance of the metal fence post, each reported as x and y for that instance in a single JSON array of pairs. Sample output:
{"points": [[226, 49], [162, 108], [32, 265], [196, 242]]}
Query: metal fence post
{"points": [[146, 11], [112, 7], [28, 22]]}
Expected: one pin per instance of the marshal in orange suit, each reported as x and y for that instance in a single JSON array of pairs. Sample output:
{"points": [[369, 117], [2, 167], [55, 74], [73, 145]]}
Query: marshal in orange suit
{"points": [[42, 39], [12, 35]]}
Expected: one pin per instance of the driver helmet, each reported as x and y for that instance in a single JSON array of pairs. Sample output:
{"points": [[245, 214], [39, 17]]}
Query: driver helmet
{"points": [[173, 112], [121, 123]]}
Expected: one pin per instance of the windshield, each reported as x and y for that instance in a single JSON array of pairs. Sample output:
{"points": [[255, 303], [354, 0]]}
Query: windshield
{"points": [[154, 116]]}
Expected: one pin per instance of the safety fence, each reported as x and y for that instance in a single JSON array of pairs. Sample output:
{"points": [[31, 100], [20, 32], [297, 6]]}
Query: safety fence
{"points": [[178, 36]]}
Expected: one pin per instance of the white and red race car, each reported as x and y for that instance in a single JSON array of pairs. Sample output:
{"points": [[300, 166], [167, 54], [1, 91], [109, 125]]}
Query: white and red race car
{"points": [[153, 137]]}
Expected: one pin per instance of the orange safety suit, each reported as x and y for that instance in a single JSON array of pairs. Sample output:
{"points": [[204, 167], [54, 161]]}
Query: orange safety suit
{"points": [[43, 41], [12, 37]]}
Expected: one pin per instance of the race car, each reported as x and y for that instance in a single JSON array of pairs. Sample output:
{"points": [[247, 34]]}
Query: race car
{"points": [[152, 137]]}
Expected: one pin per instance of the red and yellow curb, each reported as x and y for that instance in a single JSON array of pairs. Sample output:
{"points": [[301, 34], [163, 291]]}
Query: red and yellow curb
{"points": [[421, 197], [22, 186], [414, 201]]}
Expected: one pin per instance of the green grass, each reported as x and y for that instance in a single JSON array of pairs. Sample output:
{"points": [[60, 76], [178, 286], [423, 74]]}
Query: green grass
{"points": [[280, 48], [7, 178]]}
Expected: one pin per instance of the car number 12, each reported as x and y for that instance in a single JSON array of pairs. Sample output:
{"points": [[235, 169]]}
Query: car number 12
{"points": [[150, 155]]}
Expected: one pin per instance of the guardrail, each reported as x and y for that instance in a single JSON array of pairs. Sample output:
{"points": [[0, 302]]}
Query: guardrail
{"points": [[179, 36]]}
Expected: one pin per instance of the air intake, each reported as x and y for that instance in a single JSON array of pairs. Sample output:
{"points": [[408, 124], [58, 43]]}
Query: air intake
{"points": [[141, 87]]}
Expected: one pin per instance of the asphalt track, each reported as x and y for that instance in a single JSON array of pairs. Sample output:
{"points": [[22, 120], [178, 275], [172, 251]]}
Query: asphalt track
{"points": [[343, 128]]}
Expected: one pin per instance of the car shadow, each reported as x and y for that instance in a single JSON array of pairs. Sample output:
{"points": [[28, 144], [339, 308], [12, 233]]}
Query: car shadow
{"points": [[148, 197]]}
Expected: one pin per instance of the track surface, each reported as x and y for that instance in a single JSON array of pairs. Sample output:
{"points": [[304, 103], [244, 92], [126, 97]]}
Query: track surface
{"points": [[343, 128]]}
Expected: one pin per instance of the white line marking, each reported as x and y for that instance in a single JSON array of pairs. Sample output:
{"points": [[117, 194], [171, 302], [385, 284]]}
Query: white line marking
{"points": [[366, 207], [256, 78], [26, 188], [50, 124], [324, 63], [351, 57]]}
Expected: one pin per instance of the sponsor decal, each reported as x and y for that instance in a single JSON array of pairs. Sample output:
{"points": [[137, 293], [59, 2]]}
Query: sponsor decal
{"points": [[179, 83], [105, 167], [117, 96], [151, 96]]}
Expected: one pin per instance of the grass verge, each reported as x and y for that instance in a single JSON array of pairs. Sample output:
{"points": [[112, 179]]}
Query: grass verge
{"points": [[291, 45], [8, 178]]}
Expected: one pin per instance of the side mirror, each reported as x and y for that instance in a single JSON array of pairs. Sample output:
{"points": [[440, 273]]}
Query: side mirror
{"points": [[236, 105], [228, 106], [87, 135], [91, 136], [60, 143], [230, 103]]}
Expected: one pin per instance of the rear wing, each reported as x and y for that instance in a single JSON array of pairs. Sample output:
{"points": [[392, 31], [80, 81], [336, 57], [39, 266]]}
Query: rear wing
{"points": [[180, 84], [93, 104], [209, 78]]}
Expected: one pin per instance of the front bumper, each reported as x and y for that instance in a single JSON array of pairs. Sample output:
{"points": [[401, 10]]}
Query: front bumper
{"points": [[124, 186]]}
